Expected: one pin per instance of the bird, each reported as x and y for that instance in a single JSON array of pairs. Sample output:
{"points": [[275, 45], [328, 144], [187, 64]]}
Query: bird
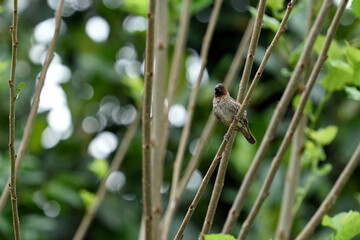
{"points": [[225, 110]]}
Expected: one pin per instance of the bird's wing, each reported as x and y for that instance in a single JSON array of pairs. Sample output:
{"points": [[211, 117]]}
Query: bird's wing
{"points": [[234, 106]]}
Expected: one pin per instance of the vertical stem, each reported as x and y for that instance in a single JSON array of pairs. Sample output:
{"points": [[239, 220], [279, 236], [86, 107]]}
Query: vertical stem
{"points": [[177, 63], [13, 176], [331, 197], [276, 118], [34, 108], [161, 46], [264, 192], [146, 126]]}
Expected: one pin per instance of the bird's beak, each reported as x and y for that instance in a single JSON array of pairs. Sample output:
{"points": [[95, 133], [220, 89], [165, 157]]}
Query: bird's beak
{"points": [[217, 88]]}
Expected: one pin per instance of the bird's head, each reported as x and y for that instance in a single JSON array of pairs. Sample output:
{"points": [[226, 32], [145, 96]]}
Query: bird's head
{"points": [[220, 90]]}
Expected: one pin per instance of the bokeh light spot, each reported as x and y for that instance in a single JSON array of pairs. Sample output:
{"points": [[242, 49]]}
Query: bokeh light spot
{"points": [[115, 181], [177, 115], [103, 145], [98, 29]]}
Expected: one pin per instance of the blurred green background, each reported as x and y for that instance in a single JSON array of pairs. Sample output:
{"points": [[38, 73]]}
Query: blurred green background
{"points": [[95, 83]]}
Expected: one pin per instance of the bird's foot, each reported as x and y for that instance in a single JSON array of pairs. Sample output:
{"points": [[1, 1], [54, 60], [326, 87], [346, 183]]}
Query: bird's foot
{"points": [[225, 138], [235, 117]]}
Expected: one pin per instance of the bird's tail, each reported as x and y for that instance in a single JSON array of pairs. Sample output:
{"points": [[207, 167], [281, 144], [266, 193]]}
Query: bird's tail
{"points": [[247, 134]]}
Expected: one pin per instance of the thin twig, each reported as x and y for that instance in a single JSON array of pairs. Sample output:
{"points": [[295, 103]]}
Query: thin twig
{"points": [[175, 74], [115, 165], [209, 126], [287, 213], [291, 183], [220, 178], [251, 53], [173, 80], [229, 134], [161, 26], [219, 183], [146, 123], [194, 93], [12, 186], [205, 136], [331, 197], [205, 181], [276, 118], [191, 107], [34, 108], [294, 123]]}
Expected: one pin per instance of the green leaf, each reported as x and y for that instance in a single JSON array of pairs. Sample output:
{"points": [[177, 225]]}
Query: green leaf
{"points": [[219, 236], [135, 85], [308, 106], [346, 224], [353, 93], [313, 152], [99, 167], [275, 5], [355, 7], [323, 170], [340, 74], [19, 88], [335, 50], [352, 54], [269, 22], [198, 5], [295, 54], [87, 197], [324, 136], [351, 228], [138, 7]]}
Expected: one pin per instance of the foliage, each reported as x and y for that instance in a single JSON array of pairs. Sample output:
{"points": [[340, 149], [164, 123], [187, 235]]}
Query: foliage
{"points": [[219, 236], [345, 224]]}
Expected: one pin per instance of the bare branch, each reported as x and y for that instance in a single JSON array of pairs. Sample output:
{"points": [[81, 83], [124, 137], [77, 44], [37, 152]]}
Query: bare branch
{"points": [[34, 108], [251, 53], [287, 212], [291, 182], [191, 106], [160, 75], [264, 192], [175, 72], [205, 181], [13, 175], [205, 136], [276, 118], [146, 126], [219, 183]]}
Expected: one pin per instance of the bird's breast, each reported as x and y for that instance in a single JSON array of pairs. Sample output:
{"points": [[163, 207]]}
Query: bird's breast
{"points": [[222, 111]]}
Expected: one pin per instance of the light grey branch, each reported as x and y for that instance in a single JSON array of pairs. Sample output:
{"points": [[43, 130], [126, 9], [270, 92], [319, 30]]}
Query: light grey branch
{"points": [[264, 192], [276, 118]]}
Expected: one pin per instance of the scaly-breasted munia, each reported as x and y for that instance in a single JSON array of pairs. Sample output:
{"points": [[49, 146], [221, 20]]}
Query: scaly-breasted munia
{"points": [[226, 108]]}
